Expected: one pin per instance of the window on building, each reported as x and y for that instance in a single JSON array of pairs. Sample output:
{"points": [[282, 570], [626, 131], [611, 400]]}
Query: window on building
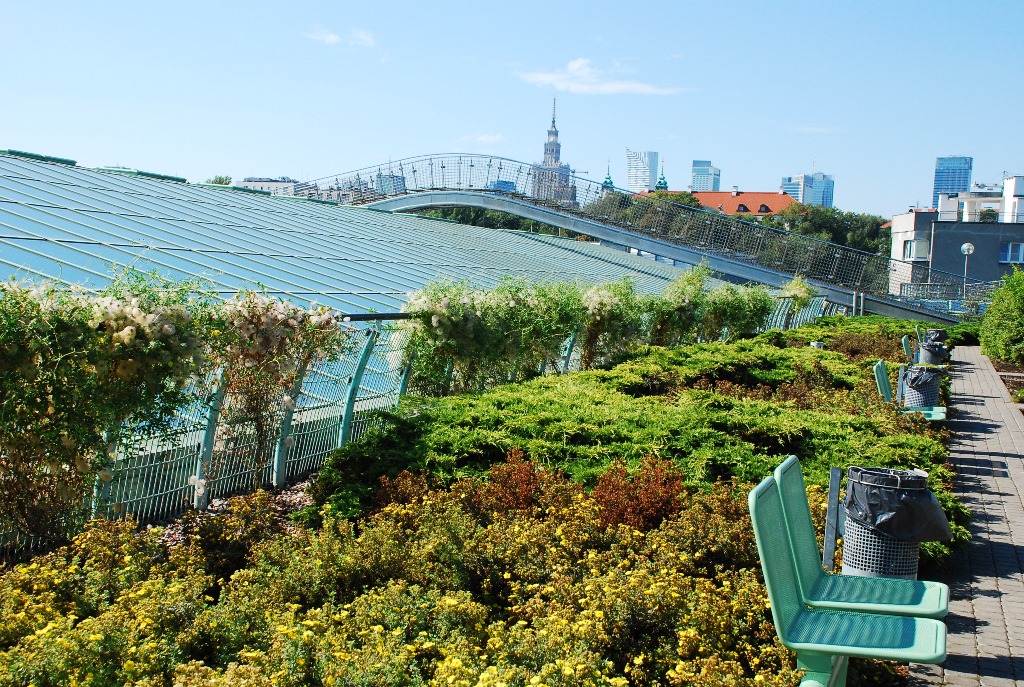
{"points": [[915, 250], [764, 208], [1011, 252], [742, 208]]}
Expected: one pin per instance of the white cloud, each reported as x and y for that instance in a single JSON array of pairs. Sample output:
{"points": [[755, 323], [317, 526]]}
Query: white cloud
{"points": [[580, 77], [324, 36], [355, 38], [361, 39], [483, 138]]}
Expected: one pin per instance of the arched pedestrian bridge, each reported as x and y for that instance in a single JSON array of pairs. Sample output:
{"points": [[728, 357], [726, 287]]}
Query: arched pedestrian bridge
{"points": [[737, 250]]}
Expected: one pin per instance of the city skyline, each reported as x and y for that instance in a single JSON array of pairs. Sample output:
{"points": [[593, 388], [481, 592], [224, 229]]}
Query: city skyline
{"points": [[198, 90]]}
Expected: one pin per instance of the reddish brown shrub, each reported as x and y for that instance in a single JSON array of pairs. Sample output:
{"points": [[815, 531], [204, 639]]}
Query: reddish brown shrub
{"points": [[403, 488], [642, 502], [859, 346]]}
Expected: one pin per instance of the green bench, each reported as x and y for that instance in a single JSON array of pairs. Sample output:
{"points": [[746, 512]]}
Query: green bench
{"points": [[932, 413], [824, 638], [846, 592]]}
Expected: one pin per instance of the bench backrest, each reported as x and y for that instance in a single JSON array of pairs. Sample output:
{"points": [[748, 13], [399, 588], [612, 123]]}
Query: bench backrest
{"points": [[882, 380], [793, 491], [908, 348], [776, 553]]}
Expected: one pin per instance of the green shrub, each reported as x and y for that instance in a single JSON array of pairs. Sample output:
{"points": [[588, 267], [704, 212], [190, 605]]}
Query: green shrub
{"points": [[1002, 329], [715, 411]]}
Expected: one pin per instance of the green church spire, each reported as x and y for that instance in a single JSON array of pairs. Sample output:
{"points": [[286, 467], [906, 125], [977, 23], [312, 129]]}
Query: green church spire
{"points": [[662, 184], [608, 184]]}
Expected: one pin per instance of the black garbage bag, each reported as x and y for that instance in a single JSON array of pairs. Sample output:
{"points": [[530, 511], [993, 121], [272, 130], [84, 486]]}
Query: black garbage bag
{"points": [[896, 503], [922, 387], [919, 377], [933, 353], [939, 335]]}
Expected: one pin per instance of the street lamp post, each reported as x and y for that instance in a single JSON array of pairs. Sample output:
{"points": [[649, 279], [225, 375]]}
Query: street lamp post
{"points": [[966, 249]]}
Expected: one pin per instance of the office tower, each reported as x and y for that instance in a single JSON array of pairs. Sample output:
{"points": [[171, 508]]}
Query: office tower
{"points": [[705, 177], [952, 175], [810, 189], [641, 170]]}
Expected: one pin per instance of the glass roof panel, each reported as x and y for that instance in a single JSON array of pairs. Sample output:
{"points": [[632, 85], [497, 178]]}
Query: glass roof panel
{"points": [[75, 224]]}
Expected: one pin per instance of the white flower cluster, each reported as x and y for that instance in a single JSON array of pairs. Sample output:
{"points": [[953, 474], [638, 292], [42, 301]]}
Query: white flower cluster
{"points": [[267, 326], [128, 324], [438, 315], [600, 301]]}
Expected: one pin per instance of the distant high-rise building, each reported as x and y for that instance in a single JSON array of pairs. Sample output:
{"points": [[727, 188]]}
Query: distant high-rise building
{"points": [[390, 184], [952, 175], [810, 189], [552, 179], [641, 170], [706, 177]]}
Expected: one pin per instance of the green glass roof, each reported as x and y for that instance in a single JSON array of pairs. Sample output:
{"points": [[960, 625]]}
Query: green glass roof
{"points": [[75, 224]]}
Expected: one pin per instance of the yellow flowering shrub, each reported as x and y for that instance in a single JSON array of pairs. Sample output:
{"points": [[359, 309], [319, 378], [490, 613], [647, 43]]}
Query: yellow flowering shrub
{"points": [[514, 583]]}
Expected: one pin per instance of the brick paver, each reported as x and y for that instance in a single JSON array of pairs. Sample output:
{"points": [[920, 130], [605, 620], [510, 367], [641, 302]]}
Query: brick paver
{"points": [[986, 610]]}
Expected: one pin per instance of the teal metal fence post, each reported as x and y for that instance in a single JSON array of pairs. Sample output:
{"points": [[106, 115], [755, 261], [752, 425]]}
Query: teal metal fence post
{"points": [[567, 358], [101, 489], [353, 389], [284, 442], [403, 385], [202, 495]]}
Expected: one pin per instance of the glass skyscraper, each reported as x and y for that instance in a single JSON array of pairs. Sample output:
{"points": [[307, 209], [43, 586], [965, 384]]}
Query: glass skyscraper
{"points": [[705, 177], [810, 189], [952, 175]]}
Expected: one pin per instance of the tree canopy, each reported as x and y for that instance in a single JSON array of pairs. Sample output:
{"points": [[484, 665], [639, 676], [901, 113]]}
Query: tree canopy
{"points": [[678, 197], [853, 229], [221, 179]]}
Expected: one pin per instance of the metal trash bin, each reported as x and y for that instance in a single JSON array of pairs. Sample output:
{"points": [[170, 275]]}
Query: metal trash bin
{"points": [[888, 514], [932, 353], [921, 386]]}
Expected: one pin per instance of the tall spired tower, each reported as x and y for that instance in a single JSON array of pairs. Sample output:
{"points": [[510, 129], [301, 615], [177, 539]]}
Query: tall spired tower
{"points": [[552, 148], [552, 178]]}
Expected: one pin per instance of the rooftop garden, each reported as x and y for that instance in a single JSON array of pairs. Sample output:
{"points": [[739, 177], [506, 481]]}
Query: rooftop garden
{"points": [[502, 528]]}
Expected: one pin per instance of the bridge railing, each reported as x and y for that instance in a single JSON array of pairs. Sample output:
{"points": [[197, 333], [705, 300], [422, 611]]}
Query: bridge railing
{"points": [[705, 231]]}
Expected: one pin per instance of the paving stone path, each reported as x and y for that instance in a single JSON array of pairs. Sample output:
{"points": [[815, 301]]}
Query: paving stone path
{"points": [[986, 611]]}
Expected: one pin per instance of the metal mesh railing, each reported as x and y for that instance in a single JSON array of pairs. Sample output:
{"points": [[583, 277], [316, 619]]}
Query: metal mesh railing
{"points": [[708, 232], [157, 475]]}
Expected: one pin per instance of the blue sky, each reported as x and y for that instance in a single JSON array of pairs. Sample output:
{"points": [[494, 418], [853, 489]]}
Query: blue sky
{"points": [[870, 92]]}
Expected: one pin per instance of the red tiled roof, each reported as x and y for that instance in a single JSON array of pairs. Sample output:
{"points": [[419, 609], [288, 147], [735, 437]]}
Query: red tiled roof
{"points": [[725, 201]]}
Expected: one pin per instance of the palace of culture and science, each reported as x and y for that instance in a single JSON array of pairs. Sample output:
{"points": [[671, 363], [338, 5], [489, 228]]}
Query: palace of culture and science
{"points": [[552, 179]]}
